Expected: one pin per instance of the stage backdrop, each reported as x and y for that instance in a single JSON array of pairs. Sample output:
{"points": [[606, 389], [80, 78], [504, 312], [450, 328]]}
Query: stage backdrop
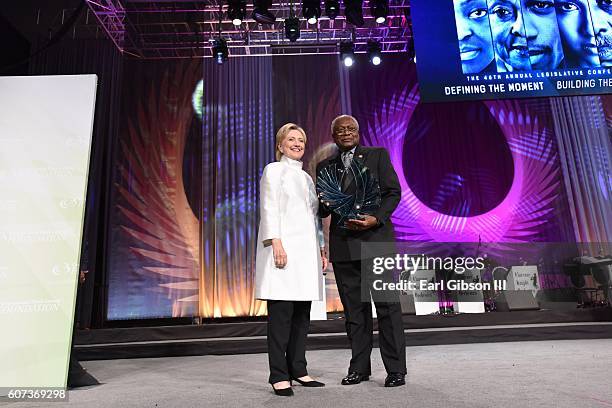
{"points": [[195, 137]]}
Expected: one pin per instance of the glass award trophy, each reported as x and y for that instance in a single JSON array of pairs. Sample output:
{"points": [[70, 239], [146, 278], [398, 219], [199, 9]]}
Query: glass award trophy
{"points": [[351, 203]]}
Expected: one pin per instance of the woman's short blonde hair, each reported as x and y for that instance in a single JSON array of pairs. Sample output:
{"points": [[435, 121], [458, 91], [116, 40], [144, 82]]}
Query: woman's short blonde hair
{"points": [[282, 134]]}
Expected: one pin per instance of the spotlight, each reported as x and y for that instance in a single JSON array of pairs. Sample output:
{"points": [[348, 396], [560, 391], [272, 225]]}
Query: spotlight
{"points": [[374, 52], [261, 12], [380, 10], [220, 51], [292, 28], [332, 8], [311, 10], [353, 10], [236, 11], [347, 53]]}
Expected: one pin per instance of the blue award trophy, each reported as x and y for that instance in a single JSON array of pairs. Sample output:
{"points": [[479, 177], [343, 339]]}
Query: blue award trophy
{"points": [[364, 199]]}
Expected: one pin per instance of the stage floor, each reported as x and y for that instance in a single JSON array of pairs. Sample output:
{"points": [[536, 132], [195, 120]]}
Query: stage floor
{"points": [[560, 373]]}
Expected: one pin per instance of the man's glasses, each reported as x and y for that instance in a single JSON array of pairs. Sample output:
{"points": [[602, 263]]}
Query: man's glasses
{"points": [[348, 129]]}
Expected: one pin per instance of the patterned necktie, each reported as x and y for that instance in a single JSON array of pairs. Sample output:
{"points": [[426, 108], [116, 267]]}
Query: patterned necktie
{"points": [[347, 177], [347, 157]]}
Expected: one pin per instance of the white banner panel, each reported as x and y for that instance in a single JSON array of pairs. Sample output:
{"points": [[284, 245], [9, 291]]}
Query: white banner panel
{"points": [[45, 138]]}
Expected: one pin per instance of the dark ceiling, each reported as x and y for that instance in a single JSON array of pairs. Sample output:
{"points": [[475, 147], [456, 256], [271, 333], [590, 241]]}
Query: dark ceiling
{"points": [[184, 29]]}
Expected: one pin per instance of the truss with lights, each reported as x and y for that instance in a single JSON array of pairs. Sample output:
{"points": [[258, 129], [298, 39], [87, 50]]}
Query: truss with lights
{"points": [[186, 29]]}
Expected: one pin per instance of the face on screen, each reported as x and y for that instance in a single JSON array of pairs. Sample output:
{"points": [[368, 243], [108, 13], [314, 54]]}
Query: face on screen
{"points": [[601, 13], [576, 29], [474, 34], [525, 34], [509, 39], [543, 40]]}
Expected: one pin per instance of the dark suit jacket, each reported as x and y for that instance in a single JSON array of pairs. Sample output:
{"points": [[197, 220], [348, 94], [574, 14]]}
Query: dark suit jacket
{"points": [[346, 245]]}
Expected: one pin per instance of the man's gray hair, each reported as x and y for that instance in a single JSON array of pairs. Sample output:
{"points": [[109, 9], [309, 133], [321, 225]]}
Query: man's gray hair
{"points": [[333, 124]]}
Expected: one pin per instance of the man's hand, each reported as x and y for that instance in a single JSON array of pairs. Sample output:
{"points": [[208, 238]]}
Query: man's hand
{"points": [[280, 256], [367, 222]]}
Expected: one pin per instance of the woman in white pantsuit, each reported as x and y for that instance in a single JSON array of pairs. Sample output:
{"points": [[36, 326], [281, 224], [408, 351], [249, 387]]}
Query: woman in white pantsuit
{"points": [[290, 259]]}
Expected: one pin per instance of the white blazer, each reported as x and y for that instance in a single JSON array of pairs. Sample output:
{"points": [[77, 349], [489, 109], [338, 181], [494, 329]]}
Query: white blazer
{"points": [[288, 210]]}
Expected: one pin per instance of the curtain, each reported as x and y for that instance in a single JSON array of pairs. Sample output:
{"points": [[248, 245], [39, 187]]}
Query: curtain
{"points": [[586, 153], [238, 141], [100, 57]]}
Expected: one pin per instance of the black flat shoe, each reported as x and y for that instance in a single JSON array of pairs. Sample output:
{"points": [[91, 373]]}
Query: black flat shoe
{"points": [[354, 378], [395, 380], [312, 383], [283, 392]]}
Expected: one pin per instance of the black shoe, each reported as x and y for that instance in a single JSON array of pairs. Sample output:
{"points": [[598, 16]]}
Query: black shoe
{"points": [[312, 383], [354, 378], [283, 392], [395, 380]]}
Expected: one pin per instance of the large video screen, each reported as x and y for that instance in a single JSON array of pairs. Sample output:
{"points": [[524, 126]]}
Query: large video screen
{"points": [[486, 49]]}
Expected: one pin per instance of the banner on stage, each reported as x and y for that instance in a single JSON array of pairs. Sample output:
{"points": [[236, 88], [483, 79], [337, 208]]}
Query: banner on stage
{"points": [[46, 137]]}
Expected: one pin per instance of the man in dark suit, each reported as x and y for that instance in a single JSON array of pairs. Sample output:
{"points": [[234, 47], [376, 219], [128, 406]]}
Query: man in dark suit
{"points": [[349, 260]]}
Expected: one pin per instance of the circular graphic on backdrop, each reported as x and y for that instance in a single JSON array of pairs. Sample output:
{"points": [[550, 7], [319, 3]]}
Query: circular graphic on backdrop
{"points": [[457, 160], [197, 99], [529, 204]]}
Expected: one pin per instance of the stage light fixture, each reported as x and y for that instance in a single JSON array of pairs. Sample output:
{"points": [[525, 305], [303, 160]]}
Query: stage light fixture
{"points": [[347, 53], [236, 11], [374, 52], [332, 8], [292, 28], [311, 10], [353, 10], [261, 12], [380, 10], [220, 51]]}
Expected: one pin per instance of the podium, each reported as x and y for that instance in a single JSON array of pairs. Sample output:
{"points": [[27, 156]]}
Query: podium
{"points": [[469, 301], [425, 301], [522, 286], [523, 277]]}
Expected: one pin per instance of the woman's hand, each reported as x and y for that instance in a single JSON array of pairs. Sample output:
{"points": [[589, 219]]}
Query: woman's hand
{"points": [[280, 256], [324, 260]]}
